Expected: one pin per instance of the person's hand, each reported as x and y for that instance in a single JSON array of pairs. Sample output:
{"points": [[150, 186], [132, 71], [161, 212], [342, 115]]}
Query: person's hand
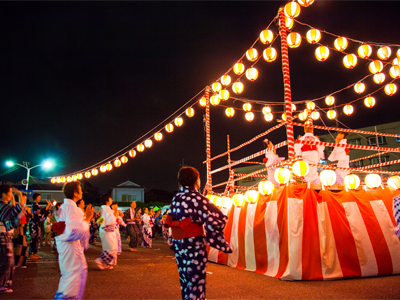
{"points": [[89, 213], [28, 209], [22, 200]]}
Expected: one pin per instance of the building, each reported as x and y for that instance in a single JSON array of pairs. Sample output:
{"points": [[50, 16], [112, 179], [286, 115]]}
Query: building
{"points": [[128, 191]]}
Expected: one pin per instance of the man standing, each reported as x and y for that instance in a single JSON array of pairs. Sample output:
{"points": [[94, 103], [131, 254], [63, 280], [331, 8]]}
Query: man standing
{"points": [[131, 219], [35, 226], [71, 243]]}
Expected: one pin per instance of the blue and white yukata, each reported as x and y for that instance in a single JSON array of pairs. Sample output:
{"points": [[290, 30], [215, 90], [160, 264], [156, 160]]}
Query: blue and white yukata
{"points": [[339, 154], [396, 214], [121, 222], [108, 256], [70, 246], [191, 253], [147, 231]]}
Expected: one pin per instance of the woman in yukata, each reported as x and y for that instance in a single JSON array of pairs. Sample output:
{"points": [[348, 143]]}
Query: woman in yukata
{"points": [[120, 221], [108, 257], [147, 229]]}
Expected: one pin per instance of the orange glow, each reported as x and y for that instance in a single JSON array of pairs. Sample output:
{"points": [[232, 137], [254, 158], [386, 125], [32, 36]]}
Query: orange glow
{"points": [[252, 196], [226, 80], [224, 95], [375, 66], [266, 187], [331, 114], [109, 167], [132, 153], [282, 175], [294, 39], [266, 109], [178, 121], [292, 9], [203, 101], [310, 105], [252, 54], [124, 159], [216, 87], [359, 87], [88, 174], [369, 102], [384, 52], [148, 143], [158, 136], [238, 68], [249, 116], [140, 148], [352, 181], [230, 112], [341, 43], [270, 54], [268, 117], [251, 74], [365, 51], [322, 53], [103, 169], [169, 128], [330, 100], [215, 99], [327, 177], [313, 36], [247, 107], [95, 172], [373, 181], [266, 36], [237, 87], [348, 109], [117, 163], [300, 168], [315, 115], [238, 200], [390, 89], [379, 78], [350, 61], [395, 72], [189, 112], [305, 3]]}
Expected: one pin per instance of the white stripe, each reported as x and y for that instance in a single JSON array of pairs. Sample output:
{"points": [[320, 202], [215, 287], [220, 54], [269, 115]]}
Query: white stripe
{"points": [[213, 253], [272, 237], [249, 238], [365, 252], [234, 256], [387, 227], [295, 239], [329, 258]]}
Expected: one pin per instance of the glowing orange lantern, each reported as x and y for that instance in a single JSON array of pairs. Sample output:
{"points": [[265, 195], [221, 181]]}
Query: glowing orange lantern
{"points": [[305, 3], [218, 202], [268, 117], [103, 169], [379, 78], [215, 99], [369, 101], [247, 106], [266, 109], [189, 112], [300, 168], [132, 153], [359, 87], [230, 112], [203, 101], [284, 116], [69, 179], [396, 62], [348, 109], [302, 116], [252, 74], [140, 148], [216, 87], [266, 187], [88, 174], [282, 175], [178, 121], [266, 36], [148, 143], [237, 87], [226, 202], [331, 114], [330, 100], [390, 89], [310, 105], [238, 68], [124, 159], [74, 178], [375, 66], [211, 198], [398, 53], [292, 9], [226, 80], [293, 106], [313, 36], [322, 53], [117, 163], [350, 61], [169, 128], [224, 95], [58, 180], [395, 72], [294, 39], [373, 181], [270, 54], [352, 181], [53, 180], [63, 179], [364, 51], [288, 22], [238, 200], [384, 52], [394, 182], [315, 115], [252, 54], [249, 116], [327, 177], [95, 172], [158, 136], [341, 43], [252, 196]]}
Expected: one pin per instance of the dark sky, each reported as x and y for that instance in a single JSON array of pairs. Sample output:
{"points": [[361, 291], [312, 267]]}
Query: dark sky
{"points": [[82, 80]]}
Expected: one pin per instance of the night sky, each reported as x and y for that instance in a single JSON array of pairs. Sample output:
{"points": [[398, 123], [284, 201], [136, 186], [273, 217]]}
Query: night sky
{"points": [[83, 80]]}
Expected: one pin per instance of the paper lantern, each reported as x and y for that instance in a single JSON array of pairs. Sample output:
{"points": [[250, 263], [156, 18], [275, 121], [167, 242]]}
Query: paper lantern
{"points": [[189, 112], [300, 168], [313, 36], [375, 66], [373, 181], [158, 136], [379, 78], [305, 3], [117, 163], [226, 202], [398, 53], [293, 39], [331, 114], [103, 169], [109, 167], [124, 159], [396, 62], [249, 116], [252, 54], [238, 68], [169, 128], [365, 51], [247, 106], [395, 72], [268, 117], [288, 22], [350, 61], [230, 112], [322, 53], [341, 43], [293, 106], [284, 116], [384, 52], [140, 148], [88, 174], [252, 196], [211, 198], [132, 153], [315, 115], [394, 182], [302, 116], [266, 36], [148, 143], [330, 100], [74, 177], [203, 101], [348, 109], [215, 99], [237, 87], [226, 80], [238, 200], [359, 87], [310, 105], [282, 175], [58, 180], [266, 187], [351, 181], [224, 95], [266, 109], [369, 101], [390, 89], [95, 172], [292, 9], [218, 202], [252, 74], [178, 121], [79, 176], [270, 54], [53, 180], [216, 87], [327, 177]]}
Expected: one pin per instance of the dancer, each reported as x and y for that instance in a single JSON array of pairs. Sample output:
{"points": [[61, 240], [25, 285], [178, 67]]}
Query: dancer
{"points": [[271, 158], [341, 154], [72, 239], [120, 222], [108, 257], [35, 226], [189, 212], [19, 240], [132, 226], [94, 226], [147, 229]]}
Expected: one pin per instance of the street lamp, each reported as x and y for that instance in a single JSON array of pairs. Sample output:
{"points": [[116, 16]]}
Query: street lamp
{"points": [[46, 164]]}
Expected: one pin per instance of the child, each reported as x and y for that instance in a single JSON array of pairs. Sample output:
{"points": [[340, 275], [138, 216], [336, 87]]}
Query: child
{"points": [[47, 230]]}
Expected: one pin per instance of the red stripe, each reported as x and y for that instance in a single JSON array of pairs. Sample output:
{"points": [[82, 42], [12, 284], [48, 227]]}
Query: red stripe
{"points": [[223, 257], [242, 237], [281, 196], [259, 233]]}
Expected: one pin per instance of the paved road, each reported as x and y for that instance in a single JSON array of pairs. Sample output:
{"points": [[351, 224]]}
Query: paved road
{"points": [[152, 274]]}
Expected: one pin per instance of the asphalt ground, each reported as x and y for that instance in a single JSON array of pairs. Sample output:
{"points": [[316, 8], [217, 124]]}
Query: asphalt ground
{"points": [[153, 274]]}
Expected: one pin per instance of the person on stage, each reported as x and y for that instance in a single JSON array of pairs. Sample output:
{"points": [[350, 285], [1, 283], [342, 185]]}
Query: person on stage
{"points": [[72, 240], [341, 154], [192, 213], [271, 158]]}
